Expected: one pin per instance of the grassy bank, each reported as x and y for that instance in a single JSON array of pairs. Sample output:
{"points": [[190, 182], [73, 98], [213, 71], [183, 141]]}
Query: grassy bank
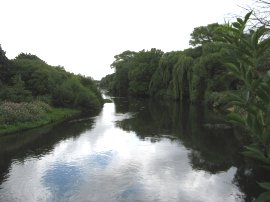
{"points": [[16, 117]]}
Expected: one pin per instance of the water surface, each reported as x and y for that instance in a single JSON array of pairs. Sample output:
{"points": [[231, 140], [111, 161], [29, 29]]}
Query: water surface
{"points": [[134, 150]]}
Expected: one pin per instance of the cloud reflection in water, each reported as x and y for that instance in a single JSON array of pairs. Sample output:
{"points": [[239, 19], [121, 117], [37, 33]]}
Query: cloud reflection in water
{"points": [[107, 164]]}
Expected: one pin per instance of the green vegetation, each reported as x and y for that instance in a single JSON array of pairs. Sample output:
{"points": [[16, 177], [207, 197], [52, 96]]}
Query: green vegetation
{"points": [[133, 73], [227, 68], [196, 74], [20, 116], [29, 85], [252, 104]]}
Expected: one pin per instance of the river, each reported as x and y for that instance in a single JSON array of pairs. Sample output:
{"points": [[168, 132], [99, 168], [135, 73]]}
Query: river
{"points": [[133, 150]]}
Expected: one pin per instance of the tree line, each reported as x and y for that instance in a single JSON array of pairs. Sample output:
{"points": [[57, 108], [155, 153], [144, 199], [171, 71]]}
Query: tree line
{"points": [[197, 74], [28, 78], [228, 67]]}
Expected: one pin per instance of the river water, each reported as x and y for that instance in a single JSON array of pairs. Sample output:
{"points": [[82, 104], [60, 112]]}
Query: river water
{"points": [[133, 150]]}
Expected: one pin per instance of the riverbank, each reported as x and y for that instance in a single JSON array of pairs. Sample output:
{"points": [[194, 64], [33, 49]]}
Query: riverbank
{"points": [[54, 115]]}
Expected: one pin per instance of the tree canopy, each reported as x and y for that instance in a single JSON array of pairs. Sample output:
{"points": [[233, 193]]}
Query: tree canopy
{"points": [[27, 78]]}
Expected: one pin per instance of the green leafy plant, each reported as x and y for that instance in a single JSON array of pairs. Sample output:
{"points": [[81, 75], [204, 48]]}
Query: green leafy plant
{"points": [[251, 103]]}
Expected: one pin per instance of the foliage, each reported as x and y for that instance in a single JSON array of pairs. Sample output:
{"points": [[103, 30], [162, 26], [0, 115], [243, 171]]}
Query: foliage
{"points": [[27, 78], [189, 75], [161, 82], [144, 64], [6, 68], [51, 115], [121, 65], [182, 73], [133, 72], [204, 34], [17, 91], [253, 102], [107, 82], [34, 79], [13, 113]]}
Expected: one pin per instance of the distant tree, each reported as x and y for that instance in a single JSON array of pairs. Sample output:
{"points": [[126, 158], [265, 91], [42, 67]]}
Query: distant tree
{"points": [[28, 56], [121, 65], [204, 34], [161, 81], [6, 71], [144, 66]]}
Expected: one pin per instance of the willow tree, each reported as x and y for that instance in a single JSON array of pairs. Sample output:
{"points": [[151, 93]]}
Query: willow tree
{"points": [[182, 75], [161, 81]]}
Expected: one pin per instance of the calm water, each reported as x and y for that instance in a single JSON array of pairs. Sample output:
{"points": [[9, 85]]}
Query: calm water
{"points": [[134, 150]]}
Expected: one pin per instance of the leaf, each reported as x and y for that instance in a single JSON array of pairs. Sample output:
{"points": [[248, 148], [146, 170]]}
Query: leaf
{"points": [[249, 120], [252, 109], [255, 83], [266, 137], [238, 103], [254, 40], [247, 44], [257, 35], [260, 106], [233, 69], [240, 21], [262, 46], [234, 97], [237, 25], [264, 197], [255, 153], [236, 119], [261, 31], [265, 185], [247, 16], [263, 91], [264, 86], [249, 77], [264, 95]]}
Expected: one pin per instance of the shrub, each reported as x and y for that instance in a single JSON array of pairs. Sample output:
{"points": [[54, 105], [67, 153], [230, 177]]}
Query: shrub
{"points": [[13, 113]]}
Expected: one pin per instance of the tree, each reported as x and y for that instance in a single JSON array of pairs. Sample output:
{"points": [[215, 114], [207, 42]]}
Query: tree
{"points": [[204, 34], [6, 68], [16, 92], [144, 65], [161, 81]]}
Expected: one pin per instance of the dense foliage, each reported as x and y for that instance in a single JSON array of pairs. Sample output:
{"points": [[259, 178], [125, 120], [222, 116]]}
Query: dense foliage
{"points": [[252, 104], [133, 72], [228, 67], [196, 74], [28, 78]]}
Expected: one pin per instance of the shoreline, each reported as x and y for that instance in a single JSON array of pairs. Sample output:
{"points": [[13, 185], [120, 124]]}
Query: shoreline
{"points": [[56, 115]]}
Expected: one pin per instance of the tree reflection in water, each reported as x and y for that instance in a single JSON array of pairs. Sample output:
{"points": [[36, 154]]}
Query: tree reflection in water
{"points": [[213, 145]]}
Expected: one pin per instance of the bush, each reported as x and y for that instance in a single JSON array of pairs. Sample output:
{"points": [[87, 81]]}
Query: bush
{"points": [[13, 113]]}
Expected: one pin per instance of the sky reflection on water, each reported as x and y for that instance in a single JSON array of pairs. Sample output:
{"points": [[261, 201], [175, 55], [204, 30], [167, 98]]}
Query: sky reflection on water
{"points": [[109, 164]]}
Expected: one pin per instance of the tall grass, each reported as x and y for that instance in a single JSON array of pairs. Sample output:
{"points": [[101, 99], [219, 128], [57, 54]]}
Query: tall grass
{"points": [[16, 117], [13, 113]]}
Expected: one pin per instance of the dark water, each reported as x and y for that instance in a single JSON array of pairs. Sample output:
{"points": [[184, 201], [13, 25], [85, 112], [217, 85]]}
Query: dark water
{"points": [[134, 150]]}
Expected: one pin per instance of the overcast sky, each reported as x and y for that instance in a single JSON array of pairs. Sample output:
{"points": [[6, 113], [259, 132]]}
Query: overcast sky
{"points": [[84, 35]]}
